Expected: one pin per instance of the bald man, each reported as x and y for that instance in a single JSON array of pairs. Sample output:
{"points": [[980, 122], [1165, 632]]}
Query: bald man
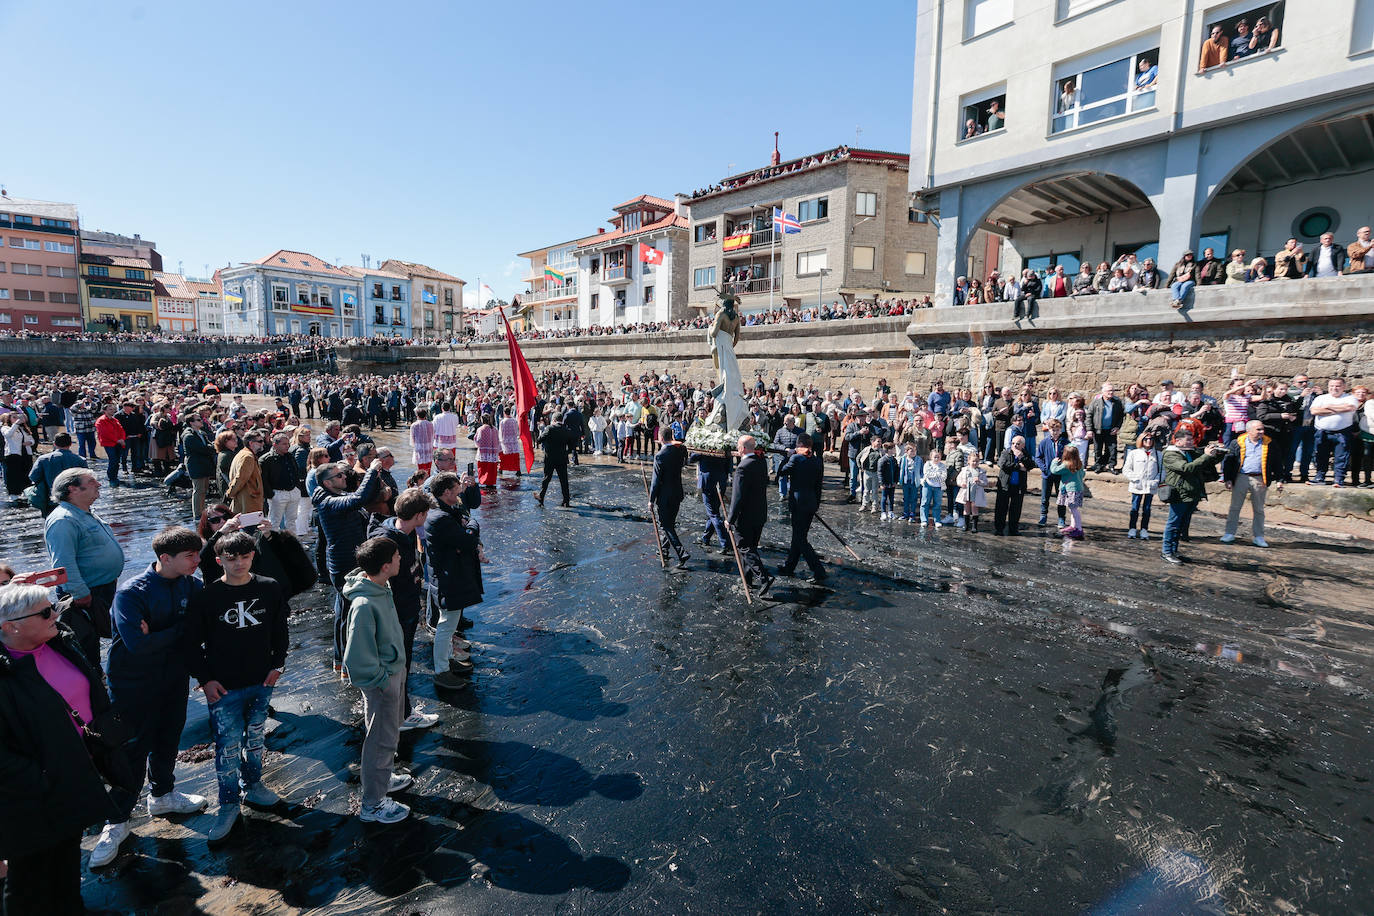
{"points": [[749, 510]]}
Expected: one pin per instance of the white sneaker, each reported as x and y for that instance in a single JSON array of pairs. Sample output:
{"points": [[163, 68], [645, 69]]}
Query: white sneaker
{"points": [[1260, 542], [1130, 533], [1144, 535], [107, 847], [398, 782], [1227, 538], [390, 811], [419, 719], [939, 524], [177, 803]]}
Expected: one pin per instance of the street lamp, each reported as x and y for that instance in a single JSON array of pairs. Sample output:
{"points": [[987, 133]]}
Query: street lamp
{"points": [[820, 286]]}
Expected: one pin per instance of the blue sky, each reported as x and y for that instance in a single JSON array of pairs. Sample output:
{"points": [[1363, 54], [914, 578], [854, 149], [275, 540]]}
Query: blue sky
{"points": [[455, 134]]}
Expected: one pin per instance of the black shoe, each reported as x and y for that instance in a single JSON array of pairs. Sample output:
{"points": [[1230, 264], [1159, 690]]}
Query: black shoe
{"points": [[540, 499], [726, 550], [682, 561], [851, 500], [789, 571], [767, 584], [704, 540], [566, 505], [818, 578]]}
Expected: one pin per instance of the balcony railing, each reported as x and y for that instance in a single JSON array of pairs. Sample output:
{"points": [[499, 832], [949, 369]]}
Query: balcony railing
{"points": [[759, 285], [618, 272], [758, 238], [556, 292]]}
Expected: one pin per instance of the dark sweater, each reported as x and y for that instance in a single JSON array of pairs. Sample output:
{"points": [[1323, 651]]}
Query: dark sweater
{"points": [[237, 634]]}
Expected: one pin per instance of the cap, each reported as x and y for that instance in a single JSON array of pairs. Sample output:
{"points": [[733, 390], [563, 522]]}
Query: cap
{"points": [[1167, 381]]}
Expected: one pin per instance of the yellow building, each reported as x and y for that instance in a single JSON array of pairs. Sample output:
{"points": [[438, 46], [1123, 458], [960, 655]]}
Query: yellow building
{"points": [[117, 292]]}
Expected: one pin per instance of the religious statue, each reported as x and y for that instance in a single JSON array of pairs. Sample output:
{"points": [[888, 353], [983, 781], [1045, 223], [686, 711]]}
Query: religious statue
{"points": [[729, 394]]}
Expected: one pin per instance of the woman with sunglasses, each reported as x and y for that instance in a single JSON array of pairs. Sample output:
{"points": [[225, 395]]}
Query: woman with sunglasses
{"points": [[52, 791]]}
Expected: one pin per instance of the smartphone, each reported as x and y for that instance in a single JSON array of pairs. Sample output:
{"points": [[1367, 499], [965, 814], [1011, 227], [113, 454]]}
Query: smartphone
{"points": [[472, 472], [249, 519], [50, 577]]}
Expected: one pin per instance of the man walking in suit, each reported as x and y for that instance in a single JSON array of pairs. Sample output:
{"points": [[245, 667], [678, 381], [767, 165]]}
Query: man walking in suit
{"points": [[804, 473], [1105, 414], [749, 511], [665, 493]]}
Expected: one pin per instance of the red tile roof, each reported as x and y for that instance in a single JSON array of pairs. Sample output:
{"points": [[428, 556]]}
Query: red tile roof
{"points": [[173, 286], [646, 199], [300, 260], [672, 221], [419, 270]]}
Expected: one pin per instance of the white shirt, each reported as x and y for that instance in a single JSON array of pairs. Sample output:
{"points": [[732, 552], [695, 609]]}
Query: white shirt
{"points": [[1165, 398], [1326, 263], [1347, 404], [446, 428]]}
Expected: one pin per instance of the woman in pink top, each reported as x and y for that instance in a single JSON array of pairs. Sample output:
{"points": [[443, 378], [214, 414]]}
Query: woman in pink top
{"points": [[52, 790], [488, 451], [422, 440], [1237, 409]]}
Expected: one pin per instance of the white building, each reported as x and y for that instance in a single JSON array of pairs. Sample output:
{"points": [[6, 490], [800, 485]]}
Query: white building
{"points": [[615, 286], [1078, 130], [209, 308]]}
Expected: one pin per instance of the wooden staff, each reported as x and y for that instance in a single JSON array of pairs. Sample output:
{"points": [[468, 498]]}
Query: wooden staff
{"points": [[739, 564], [662, 554], [837, 537]]}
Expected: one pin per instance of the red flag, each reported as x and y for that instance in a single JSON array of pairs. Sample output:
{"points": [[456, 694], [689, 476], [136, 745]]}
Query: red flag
{"points": [[525, 393], [650, 255]]}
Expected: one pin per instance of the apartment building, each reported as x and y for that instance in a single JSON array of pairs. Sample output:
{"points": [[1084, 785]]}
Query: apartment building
{"points": [[436, 298], [209, 308], [386, 301], [117, 293], [290, 292], [120, 246], [551, 302], [1080, 130], [618, 286], [39, 272], [858, 237], [174, 303]]}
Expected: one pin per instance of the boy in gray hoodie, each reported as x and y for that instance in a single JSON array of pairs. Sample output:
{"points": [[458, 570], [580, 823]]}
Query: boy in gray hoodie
{"points": [[375, 659]]}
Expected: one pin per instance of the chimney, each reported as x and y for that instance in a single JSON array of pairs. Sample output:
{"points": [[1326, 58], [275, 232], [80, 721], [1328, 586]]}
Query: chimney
{"points": [[679, 205], [601, 231], [777, 157]]}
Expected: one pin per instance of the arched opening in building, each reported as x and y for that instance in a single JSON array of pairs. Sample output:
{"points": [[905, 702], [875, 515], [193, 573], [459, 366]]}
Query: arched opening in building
{"points": [[1311, 180]]}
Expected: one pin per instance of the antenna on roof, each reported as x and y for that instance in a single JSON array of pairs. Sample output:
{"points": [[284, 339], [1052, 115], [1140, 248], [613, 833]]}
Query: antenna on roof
{"points": [[858, 131]]}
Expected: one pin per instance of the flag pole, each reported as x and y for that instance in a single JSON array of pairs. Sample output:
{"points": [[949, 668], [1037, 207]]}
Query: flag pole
{"points": [[772, 248]]}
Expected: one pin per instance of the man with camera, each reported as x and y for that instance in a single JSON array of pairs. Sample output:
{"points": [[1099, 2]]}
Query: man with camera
{"points": [[1186, 472]]}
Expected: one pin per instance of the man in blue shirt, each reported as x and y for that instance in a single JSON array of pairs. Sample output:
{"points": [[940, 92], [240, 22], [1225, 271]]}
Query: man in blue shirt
{"points": [[80, 542], [938, 400]]}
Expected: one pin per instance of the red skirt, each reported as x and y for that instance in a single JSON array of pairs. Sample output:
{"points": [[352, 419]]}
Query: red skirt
{"points": [[510, 461], [486, 473]]}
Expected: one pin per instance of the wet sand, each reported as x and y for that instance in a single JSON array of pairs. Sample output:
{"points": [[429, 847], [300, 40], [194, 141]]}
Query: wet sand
{"points": [[961, 723]]}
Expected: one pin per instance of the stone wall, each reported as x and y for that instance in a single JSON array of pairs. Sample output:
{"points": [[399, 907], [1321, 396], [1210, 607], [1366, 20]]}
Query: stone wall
{"points": [[19, 357], [1272, 330]]}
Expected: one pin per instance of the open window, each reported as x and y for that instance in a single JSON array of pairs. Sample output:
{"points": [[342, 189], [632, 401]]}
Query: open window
{"points": [[983, 112], [1104, 86], [1236, 31]]}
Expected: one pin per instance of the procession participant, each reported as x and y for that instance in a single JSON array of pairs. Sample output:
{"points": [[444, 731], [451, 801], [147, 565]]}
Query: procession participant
{"points": [[749, 511], [804, 472], [556, 441], [488, 442], [511, 453], [713, 473], [665, 492]]}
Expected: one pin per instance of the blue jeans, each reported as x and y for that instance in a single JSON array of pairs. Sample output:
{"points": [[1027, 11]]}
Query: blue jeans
{"points": [[1140, 509], [113, 455], [1304, 439], [1180, 514], [1181, 289], [855, 475], [911, 499], [1333, 449], [930, 503], [889, 494], [85, 443], [238, 719]]}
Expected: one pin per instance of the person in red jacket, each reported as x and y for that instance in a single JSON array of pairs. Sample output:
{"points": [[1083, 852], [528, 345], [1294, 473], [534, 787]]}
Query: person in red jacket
{"points": [[110, 435]]}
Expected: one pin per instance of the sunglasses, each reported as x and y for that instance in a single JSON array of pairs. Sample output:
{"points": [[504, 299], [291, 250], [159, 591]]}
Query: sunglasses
{"points": [[46, 614]]}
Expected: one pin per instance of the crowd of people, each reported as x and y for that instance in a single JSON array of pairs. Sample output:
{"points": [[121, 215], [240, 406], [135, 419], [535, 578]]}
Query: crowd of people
{"points": [[1129, 274], [773, 171], [280, 500]]}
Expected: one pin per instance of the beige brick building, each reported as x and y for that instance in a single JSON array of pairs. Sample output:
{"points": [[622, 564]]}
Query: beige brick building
{"points": [[858, 239]]}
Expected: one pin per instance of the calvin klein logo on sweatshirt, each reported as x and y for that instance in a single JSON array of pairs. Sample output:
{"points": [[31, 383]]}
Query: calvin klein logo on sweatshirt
{"points": [[240, 614]]}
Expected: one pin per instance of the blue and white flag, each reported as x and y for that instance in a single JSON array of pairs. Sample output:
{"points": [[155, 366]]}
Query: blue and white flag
{"points": [[785, 222], [429, 297]]}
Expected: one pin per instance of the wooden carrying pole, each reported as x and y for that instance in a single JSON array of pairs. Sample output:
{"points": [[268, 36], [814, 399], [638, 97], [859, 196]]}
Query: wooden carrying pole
{"points": [[658, 537], [734, 545], [837, 537]]}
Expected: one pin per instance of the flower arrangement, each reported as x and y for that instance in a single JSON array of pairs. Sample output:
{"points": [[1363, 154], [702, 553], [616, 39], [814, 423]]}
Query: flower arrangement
{"points": [[704, 438]]}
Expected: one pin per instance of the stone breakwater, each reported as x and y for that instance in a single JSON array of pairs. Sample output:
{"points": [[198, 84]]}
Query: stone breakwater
{"points": [[1272, 330]]}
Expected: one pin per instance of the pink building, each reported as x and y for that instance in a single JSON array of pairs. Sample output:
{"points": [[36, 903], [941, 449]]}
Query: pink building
{"points": [[39, 285]]}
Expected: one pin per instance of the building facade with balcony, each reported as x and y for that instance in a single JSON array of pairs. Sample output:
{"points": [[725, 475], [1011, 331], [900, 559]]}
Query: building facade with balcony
{"points": [[436, 298], [551, 302], [858, 238], [120, 246], [1077, 131], [291, 292], [39, 271], [209, 308], [385, 303], [616, 287], [175, 304], [117, 293]]}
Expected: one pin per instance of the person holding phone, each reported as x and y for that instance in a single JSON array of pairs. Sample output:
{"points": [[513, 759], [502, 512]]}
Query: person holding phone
{"points": [[1186, 472]]}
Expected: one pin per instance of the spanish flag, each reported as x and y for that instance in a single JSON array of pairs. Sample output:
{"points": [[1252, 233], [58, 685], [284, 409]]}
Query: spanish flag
{"points": [[552, 274]]}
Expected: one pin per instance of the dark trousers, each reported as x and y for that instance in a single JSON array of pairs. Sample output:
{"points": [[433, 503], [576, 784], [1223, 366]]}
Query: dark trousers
{"points": [[1049, 489], [17, 469], [155, 712], [1333, 449], [1006, 511], [46, 882], [340, 614], [561, 468], [1180, 516], [1104, 450], [747, 542], [408, 627], [667, 525], [114, 454], [801, 546], [710, 497], [1027, 307], [1304, 440]]}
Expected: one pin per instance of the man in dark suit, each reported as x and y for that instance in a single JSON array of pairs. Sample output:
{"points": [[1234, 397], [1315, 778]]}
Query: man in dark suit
{"points": [[1105, 414], [713, 473], [665, 493], [749, 511], [1013, 470], [577, 429], [804, 471], [557, 441]]}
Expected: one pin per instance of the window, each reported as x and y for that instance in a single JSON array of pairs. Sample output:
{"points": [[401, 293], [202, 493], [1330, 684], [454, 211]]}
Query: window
{"points": [[279, 293], [97, 270], [1067, 8], [4, 316], [1362, 35], [620, 305], [30, 244], [302, 294], [29, 295], [982, 16], [65, 298], [815, 208], [131, 274], [863, 257], [1311, 223], [448, 297], [703, 277], [398, 317], [324, 297], [705, 232], [1047, 262], [142, 321], [1241, 35], [648, 295], [18, 268], [2, 267], [123, 295], [379, 314], [1141, 250], [1107, 90], [595, 304], [30, 319], [983, 112], [395, 294], [56, 223], [377, 292], [66, 273], [20, 220], [429, 318], [4, 294], [810, 262], [866, 203], [59, 247], [915, 263], [632, 221]]}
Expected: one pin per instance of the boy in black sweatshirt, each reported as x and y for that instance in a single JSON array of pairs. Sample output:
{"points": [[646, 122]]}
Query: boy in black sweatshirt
{"points": [[236, 639]]}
